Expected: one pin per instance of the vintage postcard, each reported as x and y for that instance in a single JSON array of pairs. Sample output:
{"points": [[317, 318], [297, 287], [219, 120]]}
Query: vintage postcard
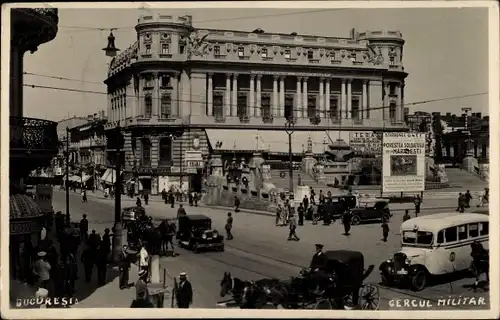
{"points": [[300, 159]]}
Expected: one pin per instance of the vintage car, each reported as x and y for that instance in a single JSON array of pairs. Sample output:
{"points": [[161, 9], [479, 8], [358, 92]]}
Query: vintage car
{"points": [[434, 245], [132, 213], [196, 233], [379, 210], [335, 206]]}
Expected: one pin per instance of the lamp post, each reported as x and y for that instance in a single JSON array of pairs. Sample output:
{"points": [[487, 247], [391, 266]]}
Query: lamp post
{"points": [[290, 128], [117, 228], [67, 175]]}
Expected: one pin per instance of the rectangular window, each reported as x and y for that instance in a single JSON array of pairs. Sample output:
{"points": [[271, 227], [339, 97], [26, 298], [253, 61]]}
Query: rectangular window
{"points": [[391, 61], [263, 53], [450, 234], [166, 106], [218, 105], [148, 106], [310, 54], [241, 51], [392, 89], [148, 49], [217, 50], [146, 153], [288, 107], [392, 111], [355, 109], [440, 238], [473, 230], [483, 228], [353, 57], [334, 108], [418, 237], [266, 107], [462, 232], [241, 106], [165, 81], [311, 107], [165, 48], [182, 47], [148, 82], [288, 54]]}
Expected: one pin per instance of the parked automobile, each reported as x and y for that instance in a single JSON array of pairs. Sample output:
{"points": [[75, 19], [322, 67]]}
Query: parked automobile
{"points": [[378, 210], [196, 233], [335, 206], [434, 245]]}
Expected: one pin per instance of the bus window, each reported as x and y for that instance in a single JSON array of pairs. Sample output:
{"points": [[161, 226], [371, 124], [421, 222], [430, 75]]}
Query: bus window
{"points": [[440, 238], [473, 230], [462, 232], [450, 234], [483, 228]]}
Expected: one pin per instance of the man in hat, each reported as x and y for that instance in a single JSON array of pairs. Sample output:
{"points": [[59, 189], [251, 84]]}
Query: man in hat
{"points": [[42, 270], [293, 227], [229, 226], [184, 292], [141, 290], [143, 258], [84, 229], [124, 267], [318, 269]]}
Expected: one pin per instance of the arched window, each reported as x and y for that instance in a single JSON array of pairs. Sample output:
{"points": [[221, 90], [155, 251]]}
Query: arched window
{"points": [[166, 106], [165, 151], [146, 152]]}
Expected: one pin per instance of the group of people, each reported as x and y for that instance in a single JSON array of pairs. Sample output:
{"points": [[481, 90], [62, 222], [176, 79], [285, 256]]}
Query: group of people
{"points": [[464, 200], [175, 194]]}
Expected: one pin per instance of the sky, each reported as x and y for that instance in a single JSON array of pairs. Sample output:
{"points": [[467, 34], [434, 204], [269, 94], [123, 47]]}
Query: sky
{"points": [[445, 54]]}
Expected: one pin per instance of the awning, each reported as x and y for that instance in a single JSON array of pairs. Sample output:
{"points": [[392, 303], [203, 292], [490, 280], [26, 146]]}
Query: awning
{"points": [[109, 176], [85, 178], [75, 178], [234, 139], [276, 141]]}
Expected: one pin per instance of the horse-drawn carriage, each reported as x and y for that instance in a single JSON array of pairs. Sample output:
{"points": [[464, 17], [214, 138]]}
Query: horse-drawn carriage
{"points": [[346, 288]]}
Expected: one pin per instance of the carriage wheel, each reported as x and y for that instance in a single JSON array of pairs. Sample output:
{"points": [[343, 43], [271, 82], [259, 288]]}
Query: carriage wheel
{"points": [[369, 297], [323, 304]]}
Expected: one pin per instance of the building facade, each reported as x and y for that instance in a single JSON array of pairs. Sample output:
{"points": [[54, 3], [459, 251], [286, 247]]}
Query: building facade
{"points": [[180, 93]]}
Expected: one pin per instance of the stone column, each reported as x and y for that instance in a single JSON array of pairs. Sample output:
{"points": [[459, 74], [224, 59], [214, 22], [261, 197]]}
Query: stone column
{"points": [[349, 99], [385, 110], [364, 102], [343, 99], [399, 106], [175, 95], [227, 95], [259, 95], [321, 97], [274, 110], [234, 102], [304, 97], [210, 95], [327, 99], [298, 99], [282, 97], [251, 106]]}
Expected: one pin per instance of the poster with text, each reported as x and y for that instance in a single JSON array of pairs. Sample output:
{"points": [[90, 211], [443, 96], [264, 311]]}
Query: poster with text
{"points": [[403, 162]]}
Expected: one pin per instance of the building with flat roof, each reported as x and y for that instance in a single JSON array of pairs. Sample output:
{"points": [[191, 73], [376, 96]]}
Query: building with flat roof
{"points": [[180, 93]]}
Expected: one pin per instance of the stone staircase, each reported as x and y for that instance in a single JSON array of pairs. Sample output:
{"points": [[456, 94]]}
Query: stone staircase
{"points": [[306, 180], [465, 179]]}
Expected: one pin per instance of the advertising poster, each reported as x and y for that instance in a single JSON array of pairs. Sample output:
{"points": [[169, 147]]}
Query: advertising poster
{"points": [[366, 142], [44, 197], [403, 162]]}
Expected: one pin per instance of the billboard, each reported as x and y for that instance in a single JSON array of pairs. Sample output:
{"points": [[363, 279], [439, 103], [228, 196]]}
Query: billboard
{"points": [[403, 162], [367, 142], [44, 197]]}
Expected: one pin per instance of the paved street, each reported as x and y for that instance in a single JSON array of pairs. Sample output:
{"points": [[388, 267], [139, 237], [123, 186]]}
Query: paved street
{"points": [[260, 249]]}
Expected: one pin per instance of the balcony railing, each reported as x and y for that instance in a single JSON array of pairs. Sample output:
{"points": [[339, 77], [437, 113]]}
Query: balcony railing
{"points": [[33, 142]]}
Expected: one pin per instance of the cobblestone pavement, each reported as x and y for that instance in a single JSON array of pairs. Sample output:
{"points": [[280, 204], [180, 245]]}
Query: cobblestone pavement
{"points": [[260, 249]]}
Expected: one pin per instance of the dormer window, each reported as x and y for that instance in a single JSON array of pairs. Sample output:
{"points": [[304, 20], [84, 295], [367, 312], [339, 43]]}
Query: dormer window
{"points": [[310, 54], [391, 61], [217, 50], [288, 54], [148, 49], [165, 49], [241, 51], [263, 53]]}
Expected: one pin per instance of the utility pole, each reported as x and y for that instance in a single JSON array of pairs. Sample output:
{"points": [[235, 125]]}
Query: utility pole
{"points": [[289, 129], [67, 175], [182, 160], [118, 229]]}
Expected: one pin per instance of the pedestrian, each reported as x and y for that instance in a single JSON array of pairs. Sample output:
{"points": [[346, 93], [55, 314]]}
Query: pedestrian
{"points": [[484, 199], [102, 265], [138, 202], [172, 199], [417, 202], [88, 260], [184, 292], [299, 179], [143, 258], [292, 235], [300, 211], [305, 201], [106, 242], [141, 292], [467, 198], [229, 226], [146, 197], [191, 200], [84, 229], [123, 267], [312, 194], [461, 203], [385, 231], [236, 204], [196, 198], [279, 213], [346, 221], [314, 213], [406, 216], [321, 197], [42, 270], [84, 195], [181, 211], [94, 240], [164, 195], [71, 268]]}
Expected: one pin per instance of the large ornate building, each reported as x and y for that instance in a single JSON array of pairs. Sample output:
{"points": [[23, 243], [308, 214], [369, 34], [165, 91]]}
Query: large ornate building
{"points": [[180, 93]]}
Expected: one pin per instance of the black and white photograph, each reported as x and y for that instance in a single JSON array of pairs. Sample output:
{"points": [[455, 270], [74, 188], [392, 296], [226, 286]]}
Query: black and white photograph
{"points": [[208, 157], [403, 165]]}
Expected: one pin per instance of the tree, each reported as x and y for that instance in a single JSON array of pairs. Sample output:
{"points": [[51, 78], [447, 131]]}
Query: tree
{"points": [[438, 129]]}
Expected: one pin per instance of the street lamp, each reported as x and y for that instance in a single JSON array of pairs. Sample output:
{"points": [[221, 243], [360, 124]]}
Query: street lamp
{"points": [[67, 175], [118, 228], [290, 128]]}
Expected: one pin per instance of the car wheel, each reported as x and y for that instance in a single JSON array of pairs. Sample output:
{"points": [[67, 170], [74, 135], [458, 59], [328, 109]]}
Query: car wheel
{"points": [[355, 220], [385, 217], [419, 280], [386, 279]]}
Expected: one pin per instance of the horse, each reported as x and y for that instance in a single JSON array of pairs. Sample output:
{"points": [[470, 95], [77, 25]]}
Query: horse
{"points": [[237, 287]]}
